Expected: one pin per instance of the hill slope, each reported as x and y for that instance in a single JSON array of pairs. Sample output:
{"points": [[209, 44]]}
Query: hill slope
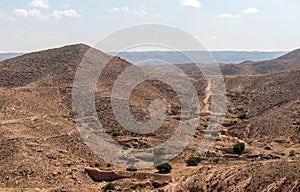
{"points": [[40, 145], [41, 149]]}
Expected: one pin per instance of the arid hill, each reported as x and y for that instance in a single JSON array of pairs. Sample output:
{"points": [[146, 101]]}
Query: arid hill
{"points": [[40, 145], [41, 149]]}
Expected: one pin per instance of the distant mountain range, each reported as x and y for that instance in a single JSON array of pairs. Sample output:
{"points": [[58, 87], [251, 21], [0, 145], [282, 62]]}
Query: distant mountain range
{"points": [[4, 56], [224, 57], [288, 61]]}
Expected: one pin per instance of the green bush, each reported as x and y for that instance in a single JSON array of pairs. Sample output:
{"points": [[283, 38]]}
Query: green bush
{"points": [[223, 132], [243, 116], [126, 146], [239, 148], [292, 153], [115, 134], [131, 168], [193, 161], [164, 168], [109, 187], [97, 164], [216, 161]]}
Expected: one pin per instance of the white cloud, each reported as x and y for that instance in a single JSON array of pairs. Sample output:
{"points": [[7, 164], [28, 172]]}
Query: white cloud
{"points": [[114, 10], [126, 9], [250, 10], [26, 13], [138, 12], [225, 15], [191, 3], [229, 15], [65, 13], [40, 4], [35, 13]]}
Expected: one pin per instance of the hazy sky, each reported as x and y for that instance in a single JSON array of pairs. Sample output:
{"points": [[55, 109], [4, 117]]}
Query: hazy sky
{"points": [[28, 25]]}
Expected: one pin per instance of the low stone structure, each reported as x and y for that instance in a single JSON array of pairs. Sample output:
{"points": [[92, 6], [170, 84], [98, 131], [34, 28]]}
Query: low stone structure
{"points": [[99, 175]]}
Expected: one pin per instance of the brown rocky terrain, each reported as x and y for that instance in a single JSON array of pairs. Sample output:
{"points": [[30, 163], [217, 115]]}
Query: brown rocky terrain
{"points": [[41, 149]]}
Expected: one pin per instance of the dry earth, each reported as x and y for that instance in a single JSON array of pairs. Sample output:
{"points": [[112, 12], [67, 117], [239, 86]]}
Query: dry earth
{"points": [[41, 149]]}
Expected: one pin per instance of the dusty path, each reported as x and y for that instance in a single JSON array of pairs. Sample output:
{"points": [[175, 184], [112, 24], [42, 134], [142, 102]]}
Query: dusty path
{"points": [[205, 109], [20, 120]]}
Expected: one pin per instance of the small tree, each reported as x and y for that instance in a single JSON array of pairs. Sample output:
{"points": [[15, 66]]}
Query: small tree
{"points": [[131, 168], [243, 116], [109, 187], [97, 164], [193, 161], [292, 153], [164, 168], [216, 161], [115, 134], [239, 148]]}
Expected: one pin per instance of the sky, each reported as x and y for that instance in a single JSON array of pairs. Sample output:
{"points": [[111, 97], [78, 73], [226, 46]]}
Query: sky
{"points": [[244, 25]]}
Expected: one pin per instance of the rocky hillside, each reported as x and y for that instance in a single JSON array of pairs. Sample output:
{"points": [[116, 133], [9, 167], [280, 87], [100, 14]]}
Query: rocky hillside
{"points": [[41, 149], [40, 145]]}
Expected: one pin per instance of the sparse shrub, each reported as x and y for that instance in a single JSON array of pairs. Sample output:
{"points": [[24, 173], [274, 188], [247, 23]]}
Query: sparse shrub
{"points": [[126, 146], [131, 168], [108, 165], [97, 164], [164, 168], [193, 161], [115, 134], [223, 132], [109, 187], [292, 153], [239, 148], [243, 116], [216, 160]]}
